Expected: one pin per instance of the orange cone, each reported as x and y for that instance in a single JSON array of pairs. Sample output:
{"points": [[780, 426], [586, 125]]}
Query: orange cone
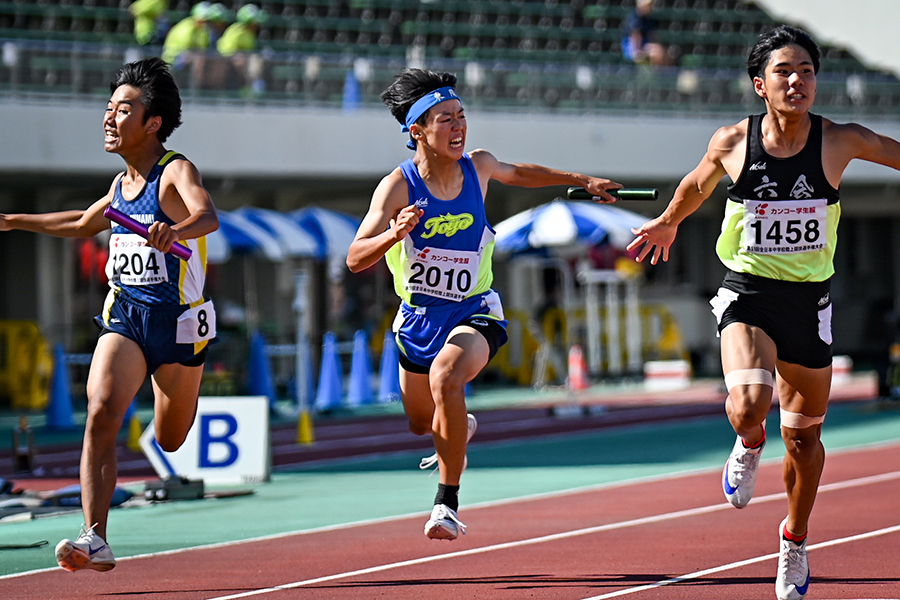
{"points": [[577, 370]]}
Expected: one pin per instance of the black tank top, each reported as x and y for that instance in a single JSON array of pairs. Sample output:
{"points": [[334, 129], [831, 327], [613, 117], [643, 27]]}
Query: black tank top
{"points": [[797, 177], [781, 221]]}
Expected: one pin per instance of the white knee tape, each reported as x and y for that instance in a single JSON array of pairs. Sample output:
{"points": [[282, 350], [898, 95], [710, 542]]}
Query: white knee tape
{"points": [[748, 377], [799, 421]]}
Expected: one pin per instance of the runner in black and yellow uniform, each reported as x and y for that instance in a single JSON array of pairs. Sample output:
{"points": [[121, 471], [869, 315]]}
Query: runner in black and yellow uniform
{"points": [[778, 240]]}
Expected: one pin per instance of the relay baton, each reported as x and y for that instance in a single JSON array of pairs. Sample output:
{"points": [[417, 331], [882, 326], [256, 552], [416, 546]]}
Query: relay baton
{"points": [[182, 252], [577, 193]]}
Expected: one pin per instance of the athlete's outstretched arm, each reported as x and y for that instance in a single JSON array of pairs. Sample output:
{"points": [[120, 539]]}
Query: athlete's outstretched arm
{"points": [[389, 219], [532, 176], [67, 223], [658, 235], [852, 140]]}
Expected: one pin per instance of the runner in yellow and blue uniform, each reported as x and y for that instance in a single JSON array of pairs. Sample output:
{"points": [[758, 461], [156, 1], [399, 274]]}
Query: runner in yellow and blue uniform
{"points": [[427, 219], [442, 271], [156, 320], [778, 241], [156, 299]]}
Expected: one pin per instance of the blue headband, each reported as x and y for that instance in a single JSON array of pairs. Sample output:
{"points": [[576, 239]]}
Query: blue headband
{"points": [[421, 106]]}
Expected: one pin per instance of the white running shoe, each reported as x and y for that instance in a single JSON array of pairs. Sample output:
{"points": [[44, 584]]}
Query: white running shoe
{"points": [[792, 581], [443, 524], [89, 551], [431, 461], [739, 476]]}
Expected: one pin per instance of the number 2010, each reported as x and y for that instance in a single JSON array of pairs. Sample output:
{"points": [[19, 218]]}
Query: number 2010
{"points": [[433, 275]]}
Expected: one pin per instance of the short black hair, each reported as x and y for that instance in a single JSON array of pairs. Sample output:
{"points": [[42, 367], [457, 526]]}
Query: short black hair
{"points": [[408, 86], [159, 92], [781, 36]]}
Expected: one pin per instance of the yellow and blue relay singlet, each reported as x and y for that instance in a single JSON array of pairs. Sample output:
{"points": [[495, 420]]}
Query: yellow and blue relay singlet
{"points": [[144, 281], [782, 215], [442, 268]]}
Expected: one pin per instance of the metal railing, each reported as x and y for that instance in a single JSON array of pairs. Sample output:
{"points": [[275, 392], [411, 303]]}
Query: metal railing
{"points": [[64, 70]]}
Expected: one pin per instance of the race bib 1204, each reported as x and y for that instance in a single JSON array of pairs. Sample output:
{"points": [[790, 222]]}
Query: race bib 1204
{"points": [[133, 262]]}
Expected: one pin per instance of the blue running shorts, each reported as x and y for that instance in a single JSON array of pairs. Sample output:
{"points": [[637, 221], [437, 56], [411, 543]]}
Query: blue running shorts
{"points": [[422, 331], [176, 334]]}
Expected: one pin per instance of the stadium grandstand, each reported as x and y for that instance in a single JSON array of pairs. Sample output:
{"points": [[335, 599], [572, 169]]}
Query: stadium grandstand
{"points": [[543, 81], [547, 54]]}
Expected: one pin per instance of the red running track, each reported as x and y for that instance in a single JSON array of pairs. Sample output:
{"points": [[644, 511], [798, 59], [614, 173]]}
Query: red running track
{"points": [[672, 539]]}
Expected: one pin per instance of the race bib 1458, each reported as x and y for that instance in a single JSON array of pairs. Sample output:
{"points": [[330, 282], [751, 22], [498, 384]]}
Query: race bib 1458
{"points": [[785, 226]]}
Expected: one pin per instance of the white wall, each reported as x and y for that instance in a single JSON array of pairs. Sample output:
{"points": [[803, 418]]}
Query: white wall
{"points": [[305, 143]]}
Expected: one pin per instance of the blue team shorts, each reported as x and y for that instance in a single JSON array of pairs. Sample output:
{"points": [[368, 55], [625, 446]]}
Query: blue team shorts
{"points": [[156, 330], [421, 332]]}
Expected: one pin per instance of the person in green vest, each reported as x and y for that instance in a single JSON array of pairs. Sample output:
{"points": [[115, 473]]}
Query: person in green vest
{"points": [[150, 22], [188, 35], [240, 42]]}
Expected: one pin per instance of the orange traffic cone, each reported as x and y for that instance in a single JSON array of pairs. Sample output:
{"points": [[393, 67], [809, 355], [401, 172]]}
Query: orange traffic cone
{"points": [[577, 379]]}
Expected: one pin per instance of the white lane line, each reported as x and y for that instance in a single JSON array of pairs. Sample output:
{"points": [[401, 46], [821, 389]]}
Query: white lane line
{"points": [[579, 532], [742, 563]]}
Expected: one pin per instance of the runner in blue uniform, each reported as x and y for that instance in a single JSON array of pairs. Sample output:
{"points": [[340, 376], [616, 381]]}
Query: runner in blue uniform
{"points": [[427, 219], [156, 320], [777, 242]]}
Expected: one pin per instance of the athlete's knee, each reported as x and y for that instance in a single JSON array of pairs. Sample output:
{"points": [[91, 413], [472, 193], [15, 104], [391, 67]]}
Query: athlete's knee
{"points": [[419, 428], [105, 412], [168, 440], [803, 445], [747, 412], [447, 384], [749, 396]]}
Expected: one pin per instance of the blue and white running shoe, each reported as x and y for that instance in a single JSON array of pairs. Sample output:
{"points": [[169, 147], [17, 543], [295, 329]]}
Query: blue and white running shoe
{"points": [[739, 476], [89, 551], [792, 581]]}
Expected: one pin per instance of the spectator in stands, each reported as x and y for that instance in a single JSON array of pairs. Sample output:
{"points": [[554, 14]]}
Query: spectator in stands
{"points": [[150, 21], [427, 219], [187, 36], [187, 44], [777, 243], [240, 43], [219, 18], [638, 30]]}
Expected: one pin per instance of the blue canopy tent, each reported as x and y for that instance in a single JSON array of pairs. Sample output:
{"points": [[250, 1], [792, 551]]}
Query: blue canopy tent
{"points": [[310, 233], [561, 223], [239, 235], [334, 230], [564, 229]]}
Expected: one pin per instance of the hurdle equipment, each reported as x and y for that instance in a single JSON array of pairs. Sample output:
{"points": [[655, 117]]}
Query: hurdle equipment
{"points": [[667, 375]]}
